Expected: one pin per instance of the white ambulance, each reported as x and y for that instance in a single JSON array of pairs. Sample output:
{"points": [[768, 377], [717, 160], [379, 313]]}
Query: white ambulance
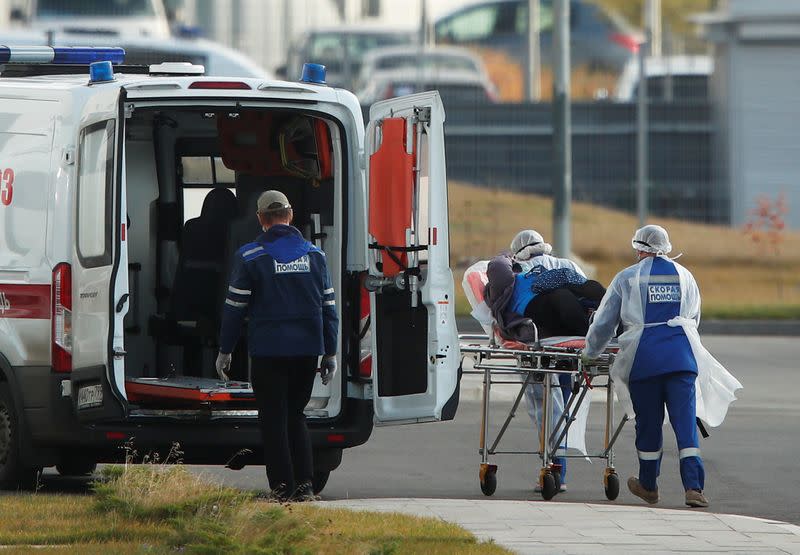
{"points": [[124, 191]]}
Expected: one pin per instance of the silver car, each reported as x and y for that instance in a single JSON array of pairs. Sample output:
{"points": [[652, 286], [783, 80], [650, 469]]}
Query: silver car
{"points": [[431, 58], [454, 86]]}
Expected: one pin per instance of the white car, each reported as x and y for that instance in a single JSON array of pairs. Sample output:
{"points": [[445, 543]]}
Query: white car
{"points": [[454, 87], [689, 76], [437, 58], [216, 58], [117, 18]]}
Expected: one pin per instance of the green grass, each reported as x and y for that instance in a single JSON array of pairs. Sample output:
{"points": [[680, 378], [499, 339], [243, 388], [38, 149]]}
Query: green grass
{"points": [[158, 508], [737, 277]]}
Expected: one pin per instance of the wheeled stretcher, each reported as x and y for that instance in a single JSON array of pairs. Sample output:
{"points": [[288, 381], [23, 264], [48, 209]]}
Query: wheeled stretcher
{"points": [[540, 363], [534, 364]]}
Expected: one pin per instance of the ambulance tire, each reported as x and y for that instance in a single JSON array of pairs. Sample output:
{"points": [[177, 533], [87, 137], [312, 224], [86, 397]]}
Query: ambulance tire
{"points": [[76, 467], [320, 480], [14, 474]]}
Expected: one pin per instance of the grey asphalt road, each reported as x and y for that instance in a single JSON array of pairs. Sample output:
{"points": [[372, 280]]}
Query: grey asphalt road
{"points": [[752, 461]]}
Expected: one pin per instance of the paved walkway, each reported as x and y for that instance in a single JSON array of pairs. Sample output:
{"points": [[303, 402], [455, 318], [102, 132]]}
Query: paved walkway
{"points": [[579, 528]]}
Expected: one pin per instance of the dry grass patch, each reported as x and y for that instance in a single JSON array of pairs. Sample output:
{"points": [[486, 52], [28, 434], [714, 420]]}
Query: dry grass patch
{"points": [[38, 519], [736, 277], [158, 508]]}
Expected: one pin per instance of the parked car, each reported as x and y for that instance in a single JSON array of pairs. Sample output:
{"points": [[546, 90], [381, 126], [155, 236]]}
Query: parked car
{"points": [[120, 18], [455, 87], [435, 58], [341, 50], [680, 78], [217, 59], [599, 39]]}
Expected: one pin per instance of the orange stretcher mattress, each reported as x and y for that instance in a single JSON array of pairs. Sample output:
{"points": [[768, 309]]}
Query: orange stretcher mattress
{"points": [[391, 183], [187, 390]]}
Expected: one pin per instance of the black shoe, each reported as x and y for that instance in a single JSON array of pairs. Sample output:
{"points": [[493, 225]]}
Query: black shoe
{"points": [[277, 494], [303, 493]]}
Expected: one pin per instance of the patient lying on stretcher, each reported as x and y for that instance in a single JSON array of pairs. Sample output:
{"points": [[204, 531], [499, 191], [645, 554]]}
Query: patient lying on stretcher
{"points": [[529, 285]]}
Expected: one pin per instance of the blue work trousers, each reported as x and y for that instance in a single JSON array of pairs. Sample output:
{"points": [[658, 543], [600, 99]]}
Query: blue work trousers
{"points": [[676, 391]]}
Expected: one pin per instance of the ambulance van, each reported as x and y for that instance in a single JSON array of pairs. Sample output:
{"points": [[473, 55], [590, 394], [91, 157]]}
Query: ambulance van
{"points": [[124, 192]]}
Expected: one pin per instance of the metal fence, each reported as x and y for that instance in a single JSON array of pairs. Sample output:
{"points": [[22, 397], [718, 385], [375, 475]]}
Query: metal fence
{"points": [[509, 146]]}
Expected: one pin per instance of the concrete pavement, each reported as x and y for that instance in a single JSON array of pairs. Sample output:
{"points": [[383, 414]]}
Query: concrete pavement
{"points": [[581, 528]]}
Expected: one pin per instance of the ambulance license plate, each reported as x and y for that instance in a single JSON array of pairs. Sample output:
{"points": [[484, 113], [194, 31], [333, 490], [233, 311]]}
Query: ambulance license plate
{"points": [[90, 396]]}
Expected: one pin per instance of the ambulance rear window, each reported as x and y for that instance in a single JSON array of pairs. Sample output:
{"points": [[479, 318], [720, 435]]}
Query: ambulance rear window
{"points": [[95, 177]]}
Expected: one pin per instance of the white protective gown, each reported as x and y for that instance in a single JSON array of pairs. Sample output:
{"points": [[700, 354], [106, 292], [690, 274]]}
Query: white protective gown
{"points": [[716, 387]]}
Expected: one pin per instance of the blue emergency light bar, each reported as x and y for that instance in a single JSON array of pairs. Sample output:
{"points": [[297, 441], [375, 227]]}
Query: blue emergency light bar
{"points": [[80, 55]]}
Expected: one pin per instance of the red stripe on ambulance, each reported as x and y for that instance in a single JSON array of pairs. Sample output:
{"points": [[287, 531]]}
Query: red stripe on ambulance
{"points": [[25, 301]]}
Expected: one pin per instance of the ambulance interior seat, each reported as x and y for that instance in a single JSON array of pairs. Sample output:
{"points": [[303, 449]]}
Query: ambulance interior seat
{"points": [[202, 255], [196, 301]]}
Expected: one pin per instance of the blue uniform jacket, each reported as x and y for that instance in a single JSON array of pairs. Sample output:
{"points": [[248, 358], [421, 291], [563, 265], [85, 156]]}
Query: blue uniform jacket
{"points": [[280, 282]]}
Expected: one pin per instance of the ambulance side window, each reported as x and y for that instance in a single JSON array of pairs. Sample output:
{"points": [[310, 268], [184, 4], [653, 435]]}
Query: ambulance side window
{"points": [[95, 178]]}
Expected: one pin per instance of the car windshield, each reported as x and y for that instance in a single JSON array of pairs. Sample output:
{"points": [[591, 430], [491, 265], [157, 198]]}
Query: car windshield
{"points": [[93, 8], [430, 61]]}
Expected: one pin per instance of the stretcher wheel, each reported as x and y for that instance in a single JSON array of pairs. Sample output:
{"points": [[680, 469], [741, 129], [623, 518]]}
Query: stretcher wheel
{"points": [[489, 483], [549, 488], [557, 477], [612, 486]]}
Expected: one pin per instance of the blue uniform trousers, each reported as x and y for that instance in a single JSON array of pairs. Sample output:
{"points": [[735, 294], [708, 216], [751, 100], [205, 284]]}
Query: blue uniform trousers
{"points": [[649, 396]]}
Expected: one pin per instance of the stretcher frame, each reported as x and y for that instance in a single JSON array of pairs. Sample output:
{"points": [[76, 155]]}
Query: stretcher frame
{"points": [[533, 363]]}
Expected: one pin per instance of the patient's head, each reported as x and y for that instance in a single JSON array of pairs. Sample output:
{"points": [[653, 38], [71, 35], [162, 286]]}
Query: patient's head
{"points": [[529, 243]]}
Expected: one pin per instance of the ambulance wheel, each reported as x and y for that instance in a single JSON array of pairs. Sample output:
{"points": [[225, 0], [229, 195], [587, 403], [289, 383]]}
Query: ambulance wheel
{"points": [[319, 481], [612, 486], [489, 483], [14, 474], [549, 488], [76, 467]]}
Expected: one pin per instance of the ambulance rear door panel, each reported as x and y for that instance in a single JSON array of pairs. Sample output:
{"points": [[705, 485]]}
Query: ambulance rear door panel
{"points": [[98, 301], [414, 336]]}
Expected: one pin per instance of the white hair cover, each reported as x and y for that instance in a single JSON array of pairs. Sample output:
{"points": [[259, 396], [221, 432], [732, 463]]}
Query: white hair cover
{"points": [[529, 243], [651, 238]]}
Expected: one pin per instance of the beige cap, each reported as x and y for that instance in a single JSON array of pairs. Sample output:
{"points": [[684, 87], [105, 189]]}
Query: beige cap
{"points": [[270, 201]]}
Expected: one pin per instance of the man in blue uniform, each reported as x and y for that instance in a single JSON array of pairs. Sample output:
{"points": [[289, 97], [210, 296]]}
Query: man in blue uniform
{"points": [[280, 282], [658, 302]]}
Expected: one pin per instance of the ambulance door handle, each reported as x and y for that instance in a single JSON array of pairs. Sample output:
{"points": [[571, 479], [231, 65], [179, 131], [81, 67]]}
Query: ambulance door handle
{"points": [[121, 302]]}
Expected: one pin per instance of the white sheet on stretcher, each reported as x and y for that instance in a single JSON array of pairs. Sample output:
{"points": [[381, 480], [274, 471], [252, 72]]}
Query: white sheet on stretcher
{"points": [[576, 434]]}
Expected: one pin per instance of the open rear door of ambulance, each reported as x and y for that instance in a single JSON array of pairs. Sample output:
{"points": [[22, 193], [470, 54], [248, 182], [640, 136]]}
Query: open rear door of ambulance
{"points": [[414, 337], [94, 352]]}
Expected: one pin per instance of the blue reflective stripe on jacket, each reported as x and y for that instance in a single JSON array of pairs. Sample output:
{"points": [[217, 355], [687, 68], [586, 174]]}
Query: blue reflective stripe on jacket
{"points": [[662, 349], [280, 282]]}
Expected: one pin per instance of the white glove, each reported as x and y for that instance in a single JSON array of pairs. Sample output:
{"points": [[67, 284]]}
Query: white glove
{"points": [[328, 369], [223, 364]]}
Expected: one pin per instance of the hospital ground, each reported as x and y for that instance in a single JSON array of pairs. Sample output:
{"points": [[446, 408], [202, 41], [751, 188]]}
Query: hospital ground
{"points": [[750, 470], [432, 469]]}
